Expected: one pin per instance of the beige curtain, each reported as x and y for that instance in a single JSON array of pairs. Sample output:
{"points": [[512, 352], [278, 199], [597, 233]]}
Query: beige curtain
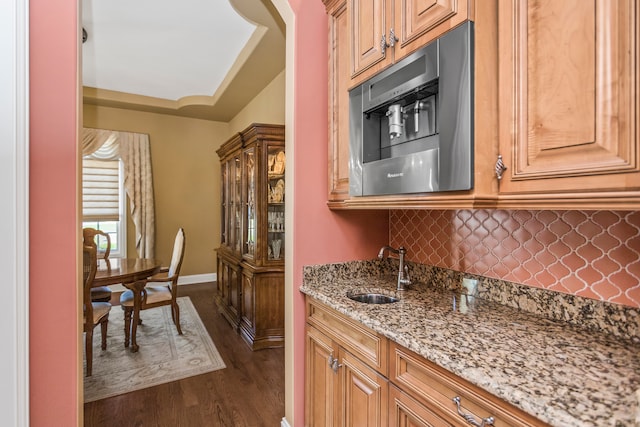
{"points": [[134, 150], [101, 144]]}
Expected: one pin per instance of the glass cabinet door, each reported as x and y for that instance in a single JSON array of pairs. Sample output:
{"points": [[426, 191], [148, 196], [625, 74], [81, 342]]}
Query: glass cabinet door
{"points": [[224, 198], [250, 204], [276, 161], [235, 211]]}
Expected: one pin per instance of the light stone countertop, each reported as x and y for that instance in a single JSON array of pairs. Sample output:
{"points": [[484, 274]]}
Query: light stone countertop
{"points": [[559, 373]]}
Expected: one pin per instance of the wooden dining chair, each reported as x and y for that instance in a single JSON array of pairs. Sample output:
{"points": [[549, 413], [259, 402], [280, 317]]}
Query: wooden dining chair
{"points": [[95, 313], [92, 237], [160, 289]]}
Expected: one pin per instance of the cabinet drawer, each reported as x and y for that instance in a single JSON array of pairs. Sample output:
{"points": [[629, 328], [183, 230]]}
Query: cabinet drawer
{"points": [[436, 387], [367, 345], [405, 411]]}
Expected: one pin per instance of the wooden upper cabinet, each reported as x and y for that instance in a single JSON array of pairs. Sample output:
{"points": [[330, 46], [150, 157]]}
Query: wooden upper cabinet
{"points": [[568, 96], [385, 31], [417, 22], [555, 94], [370, 22], [339, 78], [356, 32]]}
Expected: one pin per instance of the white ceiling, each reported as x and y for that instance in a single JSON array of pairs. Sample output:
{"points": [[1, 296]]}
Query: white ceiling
{"points": [[198, 58]]}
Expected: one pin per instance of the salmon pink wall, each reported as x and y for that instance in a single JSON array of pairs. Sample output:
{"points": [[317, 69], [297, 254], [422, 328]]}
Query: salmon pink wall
{"points": [[320, 235], [53, 226]]}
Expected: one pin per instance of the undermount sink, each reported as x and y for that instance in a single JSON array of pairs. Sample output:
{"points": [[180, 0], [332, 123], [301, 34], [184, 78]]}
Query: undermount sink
{"points": [[372, 298]]}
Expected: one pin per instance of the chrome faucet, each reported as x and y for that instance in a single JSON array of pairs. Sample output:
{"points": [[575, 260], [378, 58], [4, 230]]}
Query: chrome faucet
{"points": [[403, 271]]}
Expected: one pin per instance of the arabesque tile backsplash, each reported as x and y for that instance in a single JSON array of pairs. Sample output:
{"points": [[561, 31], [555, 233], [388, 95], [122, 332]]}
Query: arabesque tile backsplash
{"points": [[593, 254]]}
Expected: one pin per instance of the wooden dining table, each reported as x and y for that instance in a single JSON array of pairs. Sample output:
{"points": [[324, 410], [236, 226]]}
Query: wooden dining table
{"points": [[132, 274]]}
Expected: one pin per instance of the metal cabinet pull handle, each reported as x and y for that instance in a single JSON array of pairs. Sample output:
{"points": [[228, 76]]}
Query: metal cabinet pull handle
{"points": [[392, 38], [330, 360], [392, 41], [500, 167], [470, 418], [333, 363]]}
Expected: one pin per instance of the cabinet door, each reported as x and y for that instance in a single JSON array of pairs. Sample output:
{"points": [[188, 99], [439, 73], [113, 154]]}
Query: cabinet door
{"points": [[568, 104], [224, 208], [225, 283], [234, 233], [404, 411], [370, 21], [228, 298], [248, 302], [418, 22], [320, 380], [274, 237], [338, 104], [250, 205], [262, 322], [222, 283], [234, 294], [364, 394]]}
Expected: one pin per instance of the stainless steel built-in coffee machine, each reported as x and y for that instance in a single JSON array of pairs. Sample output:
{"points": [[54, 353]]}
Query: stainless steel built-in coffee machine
{"points": [[411, 126]]}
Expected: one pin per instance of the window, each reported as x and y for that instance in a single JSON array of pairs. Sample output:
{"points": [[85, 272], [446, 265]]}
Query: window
{"points": [[103, 201]]}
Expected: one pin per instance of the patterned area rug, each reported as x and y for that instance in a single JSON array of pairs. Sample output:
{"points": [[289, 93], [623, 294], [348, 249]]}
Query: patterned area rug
{"points": [[164, 356]]}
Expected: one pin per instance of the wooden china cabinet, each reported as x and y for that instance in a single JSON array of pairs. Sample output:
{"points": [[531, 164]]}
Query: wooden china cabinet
{"points": [[250, 259]]}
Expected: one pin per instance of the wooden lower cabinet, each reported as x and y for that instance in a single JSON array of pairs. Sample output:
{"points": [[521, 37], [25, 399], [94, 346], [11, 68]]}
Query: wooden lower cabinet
{"points": [[434, 388], [362, 393], [251, 299], [340, 389], [320, 379], [262, 320], [228, 288], [346, 369], [394, 386]]}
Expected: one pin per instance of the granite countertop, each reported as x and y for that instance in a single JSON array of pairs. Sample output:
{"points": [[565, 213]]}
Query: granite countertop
{"points": [[557, 372]]}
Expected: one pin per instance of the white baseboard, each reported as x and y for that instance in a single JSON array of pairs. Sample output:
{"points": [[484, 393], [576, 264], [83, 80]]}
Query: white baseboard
{"points": [[284, 423], [182, 280], [197, 278]]}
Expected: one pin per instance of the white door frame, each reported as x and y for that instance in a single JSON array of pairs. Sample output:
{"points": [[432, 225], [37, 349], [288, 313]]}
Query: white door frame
{"points": [[14, 217]]}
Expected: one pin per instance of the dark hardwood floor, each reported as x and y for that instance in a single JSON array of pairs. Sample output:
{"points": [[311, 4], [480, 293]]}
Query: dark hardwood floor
{"points": [[248, 392]]}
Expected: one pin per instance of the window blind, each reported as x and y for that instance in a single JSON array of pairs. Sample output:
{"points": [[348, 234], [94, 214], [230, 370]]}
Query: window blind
{"points": [[100, 190]]}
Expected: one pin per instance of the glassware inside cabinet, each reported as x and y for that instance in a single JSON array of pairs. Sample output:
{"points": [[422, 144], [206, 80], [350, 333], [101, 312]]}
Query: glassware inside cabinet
{"points": [[275, 171], [250, 197], [275, 232], [276, 162]]}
